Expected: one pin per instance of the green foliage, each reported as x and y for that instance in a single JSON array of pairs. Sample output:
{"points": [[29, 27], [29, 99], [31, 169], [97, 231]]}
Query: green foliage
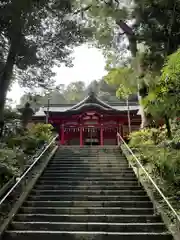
{"points": [[170, 78], [28, 144], [11, 163], [158, 154], [141, 137], [75, 91], [35, 36], [123, 79], [32, 139], [10, 115], [155, 26], [15, 152], [163, 98], [72, 93], [42, 132]]}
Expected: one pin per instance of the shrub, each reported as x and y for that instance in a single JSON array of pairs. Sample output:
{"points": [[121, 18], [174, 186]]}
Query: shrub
{"points": [[148, 136], [33, 139], [26, 143], [42, 131], [11, 163], [18, 148], [163, 161], [139, 138]]}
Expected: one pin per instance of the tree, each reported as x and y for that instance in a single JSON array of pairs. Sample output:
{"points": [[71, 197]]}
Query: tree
{"points": [[72, 93], [163, 100], [35, 36], [155, 24], [123, 80], [75, 92]]}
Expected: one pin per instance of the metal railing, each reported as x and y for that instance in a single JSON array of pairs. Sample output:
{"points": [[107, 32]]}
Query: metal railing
{"points": [[15, 192], [8, 185], [139, 166]]}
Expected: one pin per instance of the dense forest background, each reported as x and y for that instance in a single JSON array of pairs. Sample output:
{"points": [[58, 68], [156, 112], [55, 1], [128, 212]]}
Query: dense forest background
{"points": [[73, 93]]}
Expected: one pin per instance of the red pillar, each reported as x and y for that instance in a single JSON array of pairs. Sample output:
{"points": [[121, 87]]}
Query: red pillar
{"points": [[101, 136], [62, 134], [81, 136]]}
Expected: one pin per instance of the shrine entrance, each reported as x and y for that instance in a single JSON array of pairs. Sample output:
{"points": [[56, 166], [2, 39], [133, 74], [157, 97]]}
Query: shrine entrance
{"points": [[92, 122], [88, 135], [91, 136]]}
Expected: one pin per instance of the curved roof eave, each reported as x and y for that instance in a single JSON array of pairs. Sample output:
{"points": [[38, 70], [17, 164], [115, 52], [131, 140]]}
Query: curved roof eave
{"points": [[89, 105], [79, 104], [109, 112], [90, 99]]}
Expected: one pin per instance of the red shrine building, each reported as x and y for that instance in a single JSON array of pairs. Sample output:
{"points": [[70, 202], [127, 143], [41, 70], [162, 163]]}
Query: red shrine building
{"points": [[91, 121]]}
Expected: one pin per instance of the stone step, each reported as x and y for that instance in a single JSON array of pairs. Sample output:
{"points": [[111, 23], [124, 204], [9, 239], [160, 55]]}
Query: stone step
{"points": [[92, 170], [87, 218], [110, 203], [88, 166], [88, 190], [89, 160], [86, 210], [89, 193], [66, 235], [89, 163], [99, 182], [56, 197], [88, 186], [89, 178], [89, 226], [90, 174]]}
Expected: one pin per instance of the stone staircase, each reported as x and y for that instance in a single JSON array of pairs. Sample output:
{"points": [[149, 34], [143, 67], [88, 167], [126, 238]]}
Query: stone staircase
{"points": [[87, 193]]}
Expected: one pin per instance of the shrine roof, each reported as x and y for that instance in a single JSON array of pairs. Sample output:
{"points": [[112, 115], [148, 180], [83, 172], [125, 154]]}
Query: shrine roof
{"points": [[91, 101]]}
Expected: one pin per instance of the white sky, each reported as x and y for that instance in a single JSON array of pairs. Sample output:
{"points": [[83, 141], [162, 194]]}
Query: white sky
{"points": [[89, 64]]}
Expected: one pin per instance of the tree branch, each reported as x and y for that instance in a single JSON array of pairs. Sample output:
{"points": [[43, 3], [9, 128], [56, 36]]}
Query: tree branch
{"points": [[83, 9], [126, 29]]}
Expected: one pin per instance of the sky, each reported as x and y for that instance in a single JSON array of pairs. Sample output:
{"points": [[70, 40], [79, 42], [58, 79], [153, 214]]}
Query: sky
{"points": [[89, 64]]}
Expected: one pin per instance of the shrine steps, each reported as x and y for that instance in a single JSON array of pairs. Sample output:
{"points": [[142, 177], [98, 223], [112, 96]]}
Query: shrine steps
{"points": [[84, 194]]}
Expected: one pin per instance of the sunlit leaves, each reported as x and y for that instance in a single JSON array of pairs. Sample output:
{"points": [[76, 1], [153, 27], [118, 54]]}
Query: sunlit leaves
{"points": [[124, 80], [163, 98], [101, 16], [171, 70]]}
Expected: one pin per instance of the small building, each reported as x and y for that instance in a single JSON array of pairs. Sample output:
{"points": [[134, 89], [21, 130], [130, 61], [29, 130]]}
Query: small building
{"points": [[91, 121]]}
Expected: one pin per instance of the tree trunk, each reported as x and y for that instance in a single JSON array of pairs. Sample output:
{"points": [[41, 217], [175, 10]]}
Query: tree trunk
{"points": [[5, 80], [142, 90], [168, 127], [145, 118]]}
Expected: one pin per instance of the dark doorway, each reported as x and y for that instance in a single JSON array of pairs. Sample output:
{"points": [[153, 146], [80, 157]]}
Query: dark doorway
{"points": [[92, 136], [91, 143]]}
